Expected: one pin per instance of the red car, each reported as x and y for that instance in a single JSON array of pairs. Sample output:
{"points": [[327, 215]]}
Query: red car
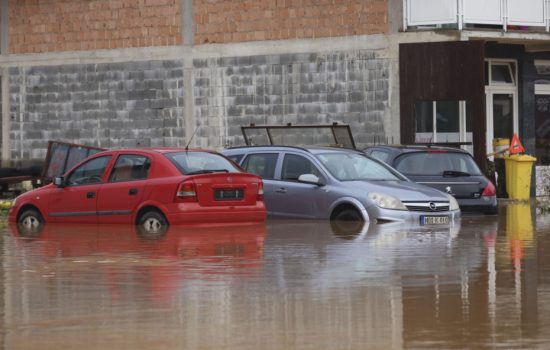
{"points": [[149, 187]]}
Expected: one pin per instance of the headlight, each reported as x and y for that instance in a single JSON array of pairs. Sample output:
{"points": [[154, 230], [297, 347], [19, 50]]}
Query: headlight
{"points": [[453, 204], [386, 201]]}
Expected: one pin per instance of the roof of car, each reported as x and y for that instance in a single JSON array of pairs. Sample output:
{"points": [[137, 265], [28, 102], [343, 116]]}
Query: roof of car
{"points": [[162, 150], [312, 149], [418, 148]]}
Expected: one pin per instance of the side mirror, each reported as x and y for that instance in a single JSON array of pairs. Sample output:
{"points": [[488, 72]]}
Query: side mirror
{"points": [[311, 179], [59, 181]]}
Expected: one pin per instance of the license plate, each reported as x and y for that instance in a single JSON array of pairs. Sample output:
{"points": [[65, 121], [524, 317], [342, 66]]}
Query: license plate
{"points": [[434, 220], [228, 194]]}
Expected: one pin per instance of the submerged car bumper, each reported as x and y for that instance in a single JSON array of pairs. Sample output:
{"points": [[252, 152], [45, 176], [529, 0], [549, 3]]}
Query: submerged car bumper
{"points": [[377, 214], [486, 205], [184, 213]]}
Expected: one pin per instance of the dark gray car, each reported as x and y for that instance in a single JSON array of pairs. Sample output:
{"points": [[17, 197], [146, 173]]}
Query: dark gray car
{"points": [[340, 184], [447, 169]]}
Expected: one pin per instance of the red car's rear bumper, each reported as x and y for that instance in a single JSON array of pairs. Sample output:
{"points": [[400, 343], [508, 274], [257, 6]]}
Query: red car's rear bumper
{"points": [[185, 213]]}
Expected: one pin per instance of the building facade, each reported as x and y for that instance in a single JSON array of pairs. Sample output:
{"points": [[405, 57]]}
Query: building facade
{"points": [[125, 73]]}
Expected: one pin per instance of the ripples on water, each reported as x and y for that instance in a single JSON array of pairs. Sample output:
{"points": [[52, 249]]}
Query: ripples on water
{"points": [[283, 285]]}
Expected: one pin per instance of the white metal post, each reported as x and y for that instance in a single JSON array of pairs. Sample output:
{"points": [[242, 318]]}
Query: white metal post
{"points": [[405, 12], [460, 14], [434, 121], [505, 15]]}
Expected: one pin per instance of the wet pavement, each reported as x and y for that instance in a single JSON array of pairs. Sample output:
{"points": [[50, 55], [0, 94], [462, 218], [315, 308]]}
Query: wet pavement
{"points": [[484, 283]]}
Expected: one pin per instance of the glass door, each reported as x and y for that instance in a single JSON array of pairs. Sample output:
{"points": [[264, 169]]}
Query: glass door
{"points": [[502, 100], [502, 120], [542, 123]]}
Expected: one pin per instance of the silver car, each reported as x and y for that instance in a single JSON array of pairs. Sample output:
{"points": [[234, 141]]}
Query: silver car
{"points": [[340, 184]]}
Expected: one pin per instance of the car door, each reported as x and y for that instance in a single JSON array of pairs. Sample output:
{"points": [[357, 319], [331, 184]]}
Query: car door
{"points": [[291, 198], [263, 164], [76, 200], [120, 196]]}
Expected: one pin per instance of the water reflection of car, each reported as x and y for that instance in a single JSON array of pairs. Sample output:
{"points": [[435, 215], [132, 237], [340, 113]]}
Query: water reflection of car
{"points": [[375, 252], [447, 169], [209, 249], [147, 187], [340, 184]]}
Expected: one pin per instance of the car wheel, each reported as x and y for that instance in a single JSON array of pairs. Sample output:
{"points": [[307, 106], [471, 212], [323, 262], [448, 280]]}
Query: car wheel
{"points": [[348, 214], [152, 223], [346, 229], [30, 221]]}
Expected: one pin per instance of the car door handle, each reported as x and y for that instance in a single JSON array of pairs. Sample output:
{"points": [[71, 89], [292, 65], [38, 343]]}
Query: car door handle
{"points": [[132, 191], [90, 195], [281, 190]]}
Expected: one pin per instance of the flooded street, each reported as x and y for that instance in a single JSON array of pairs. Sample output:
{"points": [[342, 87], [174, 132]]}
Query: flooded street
{"points": [[284, 285]]}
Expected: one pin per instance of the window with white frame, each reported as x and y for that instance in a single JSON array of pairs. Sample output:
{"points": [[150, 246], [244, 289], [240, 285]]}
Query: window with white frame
{"points": [[443, 121]]}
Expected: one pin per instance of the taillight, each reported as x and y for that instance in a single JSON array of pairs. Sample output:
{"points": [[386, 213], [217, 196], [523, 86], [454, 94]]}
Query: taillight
{"points": [[186, 192], [260, 196], [489, 190]]}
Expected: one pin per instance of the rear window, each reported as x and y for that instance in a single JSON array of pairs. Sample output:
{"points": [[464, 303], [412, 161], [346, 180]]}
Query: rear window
{"points": [[201, 163], [427, 163]]}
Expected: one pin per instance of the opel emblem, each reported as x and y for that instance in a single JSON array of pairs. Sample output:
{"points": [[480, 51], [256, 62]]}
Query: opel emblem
{"points": [[229, 179], [448, 189], [432, 206]]}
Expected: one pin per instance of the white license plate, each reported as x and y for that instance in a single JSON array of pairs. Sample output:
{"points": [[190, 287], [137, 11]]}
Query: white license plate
{"points": [[434, 220]]}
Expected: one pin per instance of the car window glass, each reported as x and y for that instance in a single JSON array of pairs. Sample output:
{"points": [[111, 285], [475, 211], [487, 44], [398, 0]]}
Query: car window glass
{"points": [[295, 165], [353, 167], [261, 164], [236, 157], [90, 172], [381, 155], [435, 163], [130, 167], [201, 163]]}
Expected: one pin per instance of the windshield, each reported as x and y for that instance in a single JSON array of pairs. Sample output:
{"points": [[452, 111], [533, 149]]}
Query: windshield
{"points": [[190, 163], [437, 163], [353, 166]]}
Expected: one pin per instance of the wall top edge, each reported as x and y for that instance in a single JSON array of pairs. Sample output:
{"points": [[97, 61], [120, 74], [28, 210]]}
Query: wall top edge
{"points": [[188, 53]]}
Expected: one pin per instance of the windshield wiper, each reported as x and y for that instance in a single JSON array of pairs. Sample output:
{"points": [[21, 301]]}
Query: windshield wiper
{"points": [[208, 171], [455, 173]]}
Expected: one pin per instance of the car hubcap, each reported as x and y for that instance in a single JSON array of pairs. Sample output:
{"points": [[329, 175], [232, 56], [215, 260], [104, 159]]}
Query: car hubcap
{"points": [[30, 222], [152, 225]]}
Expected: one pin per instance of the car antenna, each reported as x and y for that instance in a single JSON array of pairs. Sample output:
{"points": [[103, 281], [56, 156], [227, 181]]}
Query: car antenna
{"points": [[191, 139]]}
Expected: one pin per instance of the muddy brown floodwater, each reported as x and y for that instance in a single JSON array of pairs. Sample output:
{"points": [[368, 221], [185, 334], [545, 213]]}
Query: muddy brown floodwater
{"points": [[284, 285]]}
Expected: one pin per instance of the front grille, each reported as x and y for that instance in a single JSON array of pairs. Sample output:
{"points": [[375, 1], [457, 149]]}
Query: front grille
{"points": [[427, 206]]}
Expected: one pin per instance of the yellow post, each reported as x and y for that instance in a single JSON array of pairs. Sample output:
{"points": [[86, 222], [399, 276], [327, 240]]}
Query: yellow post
{"points": [[500, 147]]}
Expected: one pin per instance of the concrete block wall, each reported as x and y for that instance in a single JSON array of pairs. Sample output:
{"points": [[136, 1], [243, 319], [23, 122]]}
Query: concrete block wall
{"points": [[144, 103], [307, 88], [110, 105], [72, 25], [228, 21]]}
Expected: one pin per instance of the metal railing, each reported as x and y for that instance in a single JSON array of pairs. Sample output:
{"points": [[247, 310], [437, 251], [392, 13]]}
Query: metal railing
{"points": [[504, 13]]}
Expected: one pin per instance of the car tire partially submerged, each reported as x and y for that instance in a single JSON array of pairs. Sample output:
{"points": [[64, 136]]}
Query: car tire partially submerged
{"points": [[153, 223], [30, 221], [347, 214]]}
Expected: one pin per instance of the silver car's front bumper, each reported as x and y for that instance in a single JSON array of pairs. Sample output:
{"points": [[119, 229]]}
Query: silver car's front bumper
{"points": [[377, 214]]}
